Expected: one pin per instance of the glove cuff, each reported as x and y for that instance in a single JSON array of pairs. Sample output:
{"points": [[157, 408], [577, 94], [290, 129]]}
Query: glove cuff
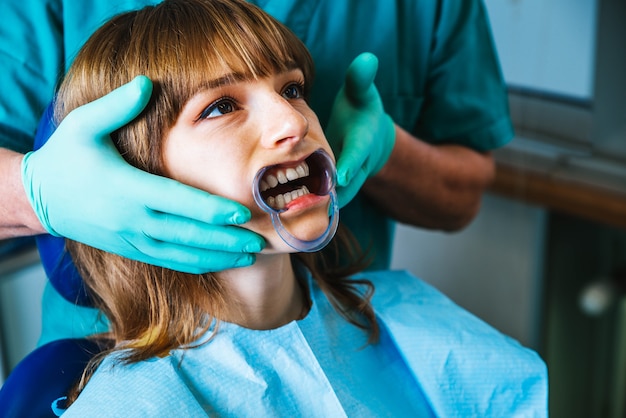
{"points": [[32, 190]]}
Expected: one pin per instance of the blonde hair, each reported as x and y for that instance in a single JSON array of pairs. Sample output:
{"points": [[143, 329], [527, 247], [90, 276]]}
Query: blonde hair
{"points": [[177, 43]]}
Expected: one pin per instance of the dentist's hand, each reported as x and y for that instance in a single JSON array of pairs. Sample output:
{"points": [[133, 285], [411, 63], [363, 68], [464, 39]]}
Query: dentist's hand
{"points": [[360, 133], [81, 188]]}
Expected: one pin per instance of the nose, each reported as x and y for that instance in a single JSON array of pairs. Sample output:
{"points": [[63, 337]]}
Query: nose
{"points": [[284, 124]]}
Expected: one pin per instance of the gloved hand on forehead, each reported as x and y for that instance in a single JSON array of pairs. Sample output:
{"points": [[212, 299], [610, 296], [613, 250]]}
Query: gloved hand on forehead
{"points": [[81, 188], [360, 133]]}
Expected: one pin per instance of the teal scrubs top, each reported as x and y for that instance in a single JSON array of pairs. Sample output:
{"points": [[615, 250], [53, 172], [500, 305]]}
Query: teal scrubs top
{"points": [[433, 359], [438, 76]]}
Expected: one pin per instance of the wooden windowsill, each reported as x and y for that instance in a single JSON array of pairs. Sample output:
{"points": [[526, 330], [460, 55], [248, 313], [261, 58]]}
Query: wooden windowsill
{"points": [[585, 200]]}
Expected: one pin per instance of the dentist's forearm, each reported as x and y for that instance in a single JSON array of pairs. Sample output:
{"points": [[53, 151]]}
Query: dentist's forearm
{"points": [[17, 217], [431, 186]]}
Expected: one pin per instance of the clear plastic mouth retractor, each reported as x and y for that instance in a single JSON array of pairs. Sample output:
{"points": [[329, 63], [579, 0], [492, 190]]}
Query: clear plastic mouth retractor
{"points": [[323, 166]]}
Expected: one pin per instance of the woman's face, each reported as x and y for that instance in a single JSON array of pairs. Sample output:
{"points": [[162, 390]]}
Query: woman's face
{"points": [[228, 132]]}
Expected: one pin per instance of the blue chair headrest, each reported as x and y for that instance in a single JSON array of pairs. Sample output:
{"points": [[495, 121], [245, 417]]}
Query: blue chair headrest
{"points": [[45, 375]]}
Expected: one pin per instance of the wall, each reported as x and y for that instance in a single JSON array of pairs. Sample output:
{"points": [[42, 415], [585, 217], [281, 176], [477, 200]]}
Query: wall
{"points": [[493, 268], [22, 281]]}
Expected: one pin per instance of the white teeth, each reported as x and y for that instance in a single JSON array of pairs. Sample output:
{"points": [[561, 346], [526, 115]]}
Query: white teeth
{"points": [[280, 201], [284, 175], [292, 174], [271, 180], [282, 178]]}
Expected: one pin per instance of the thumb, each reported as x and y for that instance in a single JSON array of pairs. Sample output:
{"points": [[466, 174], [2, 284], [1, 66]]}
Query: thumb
{"points": [[360, 76], [116, 109]]}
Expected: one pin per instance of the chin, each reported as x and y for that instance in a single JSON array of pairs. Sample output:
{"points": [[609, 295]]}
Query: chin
{"points": [[307, 230]]}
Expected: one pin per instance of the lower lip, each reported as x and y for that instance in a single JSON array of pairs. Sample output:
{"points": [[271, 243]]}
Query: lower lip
{"points": [[306, 201]]}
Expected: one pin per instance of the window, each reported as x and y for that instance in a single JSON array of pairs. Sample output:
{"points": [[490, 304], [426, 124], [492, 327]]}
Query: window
{"points": [[565, 64]]}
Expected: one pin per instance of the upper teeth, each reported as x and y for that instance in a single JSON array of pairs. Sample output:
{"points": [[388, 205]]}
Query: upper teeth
{"points": [[283, 175]]}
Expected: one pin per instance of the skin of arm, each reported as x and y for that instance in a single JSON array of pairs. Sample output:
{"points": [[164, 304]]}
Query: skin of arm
{"points": [[17, 217], [431, 186]]}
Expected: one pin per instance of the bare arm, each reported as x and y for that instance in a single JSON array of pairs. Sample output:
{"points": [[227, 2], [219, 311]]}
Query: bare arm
{"points": [[431, 186], [17, 217]]}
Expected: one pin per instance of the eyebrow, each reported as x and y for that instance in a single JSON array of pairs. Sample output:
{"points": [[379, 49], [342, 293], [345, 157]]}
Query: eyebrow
{"points": [[236, 77], [225, 80]]}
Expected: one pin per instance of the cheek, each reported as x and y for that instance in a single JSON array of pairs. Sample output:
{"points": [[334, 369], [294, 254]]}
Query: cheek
{"points": [[222, 180], [316, 131], [201, 168]]}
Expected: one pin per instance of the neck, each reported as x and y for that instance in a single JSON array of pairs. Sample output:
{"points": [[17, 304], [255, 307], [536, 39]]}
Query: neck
{"points": [[265, 295]]}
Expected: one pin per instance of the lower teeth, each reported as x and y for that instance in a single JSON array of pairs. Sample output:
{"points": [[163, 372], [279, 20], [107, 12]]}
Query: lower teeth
{"points": [[279, 202]]}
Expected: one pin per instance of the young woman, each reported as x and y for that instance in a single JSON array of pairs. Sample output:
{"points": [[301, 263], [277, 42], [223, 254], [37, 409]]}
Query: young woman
{"points": [[297, 333]]}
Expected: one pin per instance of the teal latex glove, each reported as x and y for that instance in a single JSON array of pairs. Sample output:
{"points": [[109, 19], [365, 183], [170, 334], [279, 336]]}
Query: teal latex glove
{"points": [[360, 133], [81, 188]]}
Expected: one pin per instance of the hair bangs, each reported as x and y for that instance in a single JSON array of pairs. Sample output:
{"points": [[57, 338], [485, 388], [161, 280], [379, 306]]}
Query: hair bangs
{"points": [[220, 38], [181, 46]]}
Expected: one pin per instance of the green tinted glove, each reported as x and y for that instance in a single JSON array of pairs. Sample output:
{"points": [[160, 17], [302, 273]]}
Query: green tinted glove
{"points": [[360, 133], [81, 188]]}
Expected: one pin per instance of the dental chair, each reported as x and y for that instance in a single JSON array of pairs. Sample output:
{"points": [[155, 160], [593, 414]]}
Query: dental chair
{"points": [[48, 373]]}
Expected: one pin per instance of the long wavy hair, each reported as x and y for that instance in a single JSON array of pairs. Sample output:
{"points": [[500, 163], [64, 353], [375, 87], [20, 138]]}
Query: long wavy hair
{"points": [[177, 43]]}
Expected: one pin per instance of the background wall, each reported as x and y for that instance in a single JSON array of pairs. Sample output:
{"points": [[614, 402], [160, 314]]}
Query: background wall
{"points": [[493, 268], [22, 280]]}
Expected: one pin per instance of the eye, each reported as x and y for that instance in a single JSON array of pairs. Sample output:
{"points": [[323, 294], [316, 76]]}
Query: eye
{"points": [[294, 91], [219, 107]]}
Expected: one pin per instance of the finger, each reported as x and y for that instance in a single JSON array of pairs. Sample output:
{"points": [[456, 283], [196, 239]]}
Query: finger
{"points": [[174, 230], [116, 109], [360, 76], [195, 260], [171, 197], [345, 194], [355, 152]]}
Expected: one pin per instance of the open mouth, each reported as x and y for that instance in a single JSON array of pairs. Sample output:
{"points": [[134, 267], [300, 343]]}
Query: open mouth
{"points": [[279, 186]]}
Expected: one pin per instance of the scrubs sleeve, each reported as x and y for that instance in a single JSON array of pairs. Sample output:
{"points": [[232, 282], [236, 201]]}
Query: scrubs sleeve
{"points": [[465, 97], [31, 58]]}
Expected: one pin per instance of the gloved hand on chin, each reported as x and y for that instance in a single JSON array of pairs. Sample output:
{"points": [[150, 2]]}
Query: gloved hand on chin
{"points": [[360, 133], [81, 188]]}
